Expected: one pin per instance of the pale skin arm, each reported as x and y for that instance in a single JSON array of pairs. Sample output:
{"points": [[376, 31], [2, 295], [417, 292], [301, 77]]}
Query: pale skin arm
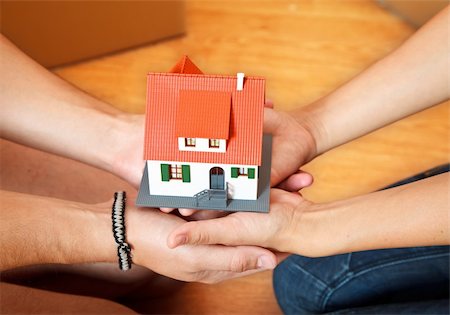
{"points": [[40, 230], [412, 78], [412, 215], [40, 110]]}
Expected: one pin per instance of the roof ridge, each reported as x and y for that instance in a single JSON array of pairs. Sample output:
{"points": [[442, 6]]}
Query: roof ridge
{"points": [[202, 75]]}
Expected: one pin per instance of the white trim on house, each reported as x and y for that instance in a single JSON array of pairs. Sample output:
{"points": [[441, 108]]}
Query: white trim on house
{"points": [[202, 145], [241, 187]]}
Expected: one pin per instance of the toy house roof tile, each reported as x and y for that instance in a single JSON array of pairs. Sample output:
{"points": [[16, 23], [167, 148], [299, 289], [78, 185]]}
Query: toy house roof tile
{"points": [[185, 65], [166, 118], [203, 114]]}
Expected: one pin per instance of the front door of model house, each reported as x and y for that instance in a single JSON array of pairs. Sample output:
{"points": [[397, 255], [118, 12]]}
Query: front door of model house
{"points": [[216, 178]]}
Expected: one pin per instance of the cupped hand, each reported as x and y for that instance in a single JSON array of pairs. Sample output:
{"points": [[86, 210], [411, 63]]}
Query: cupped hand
{"points": [[148, 230], [292, 147], [280, 229]]}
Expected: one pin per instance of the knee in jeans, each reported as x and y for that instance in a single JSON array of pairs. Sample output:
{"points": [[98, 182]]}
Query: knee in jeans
{"points": [[297, 292]]}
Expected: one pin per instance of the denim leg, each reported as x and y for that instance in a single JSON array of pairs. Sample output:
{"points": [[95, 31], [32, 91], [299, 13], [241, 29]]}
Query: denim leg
{"points": [[301, 282], [380, 281], [422, 307], [390, 281]]}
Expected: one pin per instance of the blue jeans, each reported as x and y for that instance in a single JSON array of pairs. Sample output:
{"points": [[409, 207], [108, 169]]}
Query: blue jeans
{"points": [[388, 281]]}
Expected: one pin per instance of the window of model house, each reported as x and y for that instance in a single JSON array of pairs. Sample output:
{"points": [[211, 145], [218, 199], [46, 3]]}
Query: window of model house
{"points": [[176, 171], [242, 171], [189, 142], [214, 143]]}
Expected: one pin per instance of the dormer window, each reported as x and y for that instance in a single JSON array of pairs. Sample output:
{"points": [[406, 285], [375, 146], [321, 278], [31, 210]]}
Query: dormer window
{"points": [[203, 120], [202, 145], [214, 143], [189, 142]]}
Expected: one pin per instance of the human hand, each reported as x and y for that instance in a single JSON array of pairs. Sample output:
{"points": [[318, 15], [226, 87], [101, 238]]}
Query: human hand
{"points": [[147, 232], [288, 227], [293, 146]]}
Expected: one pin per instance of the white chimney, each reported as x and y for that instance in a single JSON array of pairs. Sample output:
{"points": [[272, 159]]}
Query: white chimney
{"points": [[240, 81]]}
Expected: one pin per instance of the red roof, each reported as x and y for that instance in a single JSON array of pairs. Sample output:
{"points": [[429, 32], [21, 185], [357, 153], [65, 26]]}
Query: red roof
{"points": [[185, 65], [244, 145], [203, 114]]}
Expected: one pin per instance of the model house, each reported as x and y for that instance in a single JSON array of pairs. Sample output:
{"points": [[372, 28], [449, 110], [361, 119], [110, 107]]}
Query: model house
{"points": [[204, 135]]}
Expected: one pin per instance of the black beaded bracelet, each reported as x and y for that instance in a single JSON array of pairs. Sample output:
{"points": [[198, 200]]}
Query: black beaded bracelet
{"points": [[118, 227]]}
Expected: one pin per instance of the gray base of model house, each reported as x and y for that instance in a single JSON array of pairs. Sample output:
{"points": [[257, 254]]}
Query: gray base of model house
{"points": [[144, 198]]}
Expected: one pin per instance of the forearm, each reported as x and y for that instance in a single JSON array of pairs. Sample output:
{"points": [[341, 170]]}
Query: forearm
{"points": [[40, 230], [40, 110], [411, 215], [410, 79]]}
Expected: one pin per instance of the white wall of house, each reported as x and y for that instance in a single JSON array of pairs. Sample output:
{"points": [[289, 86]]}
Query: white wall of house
{"points": [[202, 145], [241, 187]]}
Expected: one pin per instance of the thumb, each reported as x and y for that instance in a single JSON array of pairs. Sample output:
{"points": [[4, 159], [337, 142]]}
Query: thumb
{"points": [[217, 231], [271, 120], [296, 181]]}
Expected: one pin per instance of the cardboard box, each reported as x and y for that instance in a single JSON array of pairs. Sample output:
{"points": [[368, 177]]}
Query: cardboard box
{"points": [[60, 32], [415, 12]]}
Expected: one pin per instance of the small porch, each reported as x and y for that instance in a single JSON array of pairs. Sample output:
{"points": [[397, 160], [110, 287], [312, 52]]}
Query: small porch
{"points": [[212, 197]]}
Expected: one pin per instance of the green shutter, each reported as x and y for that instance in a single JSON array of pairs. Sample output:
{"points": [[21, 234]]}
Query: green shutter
{"points": [[251, 173], [234, 172], [165, 169], [186, 171]]}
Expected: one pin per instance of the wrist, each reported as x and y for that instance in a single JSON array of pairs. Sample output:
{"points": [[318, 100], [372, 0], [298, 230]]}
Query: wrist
{"points": [[309, 119], [318, 231], [87, 235], [123, 153], [115, 131], [295, 124], [132, 221]]}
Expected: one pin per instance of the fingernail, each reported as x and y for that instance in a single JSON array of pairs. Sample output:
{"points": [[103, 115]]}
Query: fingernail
{"points": [[180, 240], [265, 262]]}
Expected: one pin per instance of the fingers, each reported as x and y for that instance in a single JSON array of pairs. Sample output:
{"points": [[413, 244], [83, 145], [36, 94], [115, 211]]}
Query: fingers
{"points": [[201, 214], [167, 210], [238, 259], [195, 215], [296, 181], [217, 231], [207, 215], [220, 276], [186, 212], [268, 103], [183, 212], [282, 256]]}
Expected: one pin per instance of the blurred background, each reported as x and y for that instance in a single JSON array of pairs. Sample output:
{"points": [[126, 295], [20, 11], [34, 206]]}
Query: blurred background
{"points": [[304, 49]]}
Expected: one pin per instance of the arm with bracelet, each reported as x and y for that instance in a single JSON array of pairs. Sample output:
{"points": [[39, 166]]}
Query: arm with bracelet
{"points": [[40, 230]]}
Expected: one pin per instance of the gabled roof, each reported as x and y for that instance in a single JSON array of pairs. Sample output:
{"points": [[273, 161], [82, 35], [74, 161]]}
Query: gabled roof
{"points": [[185, 65], [244, 145], [203, 114]]}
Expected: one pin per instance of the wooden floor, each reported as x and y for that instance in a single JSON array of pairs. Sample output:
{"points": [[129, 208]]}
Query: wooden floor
{"points": [[305, 49]]}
